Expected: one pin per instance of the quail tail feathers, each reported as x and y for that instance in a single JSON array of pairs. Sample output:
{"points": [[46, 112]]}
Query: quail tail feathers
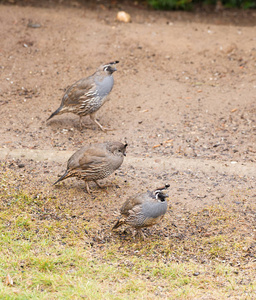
{"points": [[55, 113], [119, 223], [64, 176]]}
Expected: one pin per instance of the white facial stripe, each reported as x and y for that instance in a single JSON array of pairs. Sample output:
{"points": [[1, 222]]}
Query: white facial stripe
{"points": [[105, 67], [157, 194]]}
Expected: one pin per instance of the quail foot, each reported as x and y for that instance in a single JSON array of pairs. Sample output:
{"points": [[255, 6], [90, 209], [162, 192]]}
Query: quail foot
{"points": [[94, 162], [87, 95], [143, 210]]}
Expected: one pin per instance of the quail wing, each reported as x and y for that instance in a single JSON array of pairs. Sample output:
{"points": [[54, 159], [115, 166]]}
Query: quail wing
{"points": [[86, 159], [133, 201], [78, 91]]}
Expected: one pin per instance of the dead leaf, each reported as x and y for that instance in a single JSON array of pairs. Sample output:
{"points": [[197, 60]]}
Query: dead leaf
{"points": [[8, 280], [168, 141]]}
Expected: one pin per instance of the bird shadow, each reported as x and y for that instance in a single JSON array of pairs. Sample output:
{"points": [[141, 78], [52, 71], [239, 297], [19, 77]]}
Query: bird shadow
{"points": [[70, 123], [129, 234], [95, 190]]}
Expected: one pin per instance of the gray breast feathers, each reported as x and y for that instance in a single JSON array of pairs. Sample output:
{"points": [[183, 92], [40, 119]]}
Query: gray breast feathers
{"points": [[104, 86], [154, 209]]}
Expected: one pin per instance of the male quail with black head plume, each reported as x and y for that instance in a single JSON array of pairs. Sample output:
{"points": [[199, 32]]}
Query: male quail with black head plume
{"points": [[87, 95], [95, 161], [143, 210]]}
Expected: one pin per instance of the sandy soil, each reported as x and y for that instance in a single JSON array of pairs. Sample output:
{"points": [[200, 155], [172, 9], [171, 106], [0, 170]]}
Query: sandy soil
{"points": [[183, 99]]}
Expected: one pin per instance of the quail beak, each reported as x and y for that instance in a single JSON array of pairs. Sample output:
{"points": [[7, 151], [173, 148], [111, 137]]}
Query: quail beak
{"points": [[165, 195], [125, 148], [112, 70]]}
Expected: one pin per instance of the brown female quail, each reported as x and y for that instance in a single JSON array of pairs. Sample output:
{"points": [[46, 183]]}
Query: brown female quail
{"points": [[143, 210], [87, 95], [95, 161]]}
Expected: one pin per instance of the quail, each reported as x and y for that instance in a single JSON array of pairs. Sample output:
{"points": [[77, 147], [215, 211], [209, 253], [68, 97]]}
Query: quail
{"points": [[95, 161], [143, 210], [87, 95]]}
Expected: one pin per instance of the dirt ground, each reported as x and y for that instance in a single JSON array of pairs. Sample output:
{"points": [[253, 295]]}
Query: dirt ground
{"points": [[183, 99]]}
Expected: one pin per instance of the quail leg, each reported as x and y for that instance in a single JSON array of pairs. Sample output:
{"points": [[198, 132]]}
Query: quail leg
{"points": [[139, 232], [81, 125], [80, 122], [93, 118], [87, 187], [100, 186]]}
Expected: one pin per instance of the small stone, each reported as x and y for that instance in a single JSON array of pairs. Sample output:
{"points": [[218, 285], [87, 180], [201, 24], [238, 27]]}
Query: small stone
{"points": [[123, 16]]}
